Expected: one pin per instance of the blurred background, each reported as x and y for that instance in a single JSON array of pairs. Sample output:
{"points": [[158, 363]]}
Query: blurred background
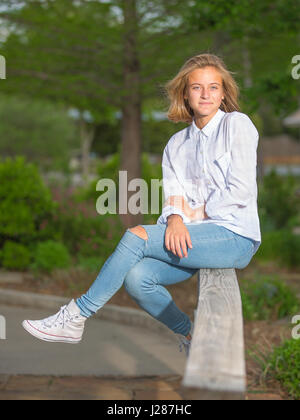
{"points": [[83, 99]]}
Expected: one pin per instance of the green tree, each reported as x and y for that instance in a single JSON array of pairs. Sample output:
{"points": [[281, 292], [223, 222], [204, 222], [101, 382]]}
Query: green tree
{"points": [[55, 52], [259, 38], [100, 57], [265, 35], [37, 129]]}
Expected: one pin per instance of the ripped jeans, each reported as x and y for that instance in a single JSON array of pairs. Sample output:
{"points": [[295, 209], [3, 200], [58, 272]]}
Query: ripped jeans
{"points": [[146, 266]]}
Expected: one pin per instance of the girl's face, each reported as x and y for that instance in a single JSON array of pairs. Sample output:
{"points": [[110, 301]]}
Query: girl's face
{"points": [[204, 91]]}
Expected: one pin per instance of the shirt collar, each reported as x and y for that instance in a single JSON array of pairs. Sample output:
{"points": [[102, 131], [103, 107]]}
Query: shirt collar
{"points": [[209, 127]]}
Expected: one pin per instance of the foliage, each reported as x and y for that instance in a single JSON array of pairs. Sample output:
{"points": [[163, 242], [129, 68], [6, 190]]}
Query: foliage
{"points": [[106, 139], [49, 255], [279, 209], [25, 203], [44, 137], [264, 16], [156, 133], [65, 53], [91, 264], [279, 88], [83, 231], [81, 63], [278, 200], [250, 31], [281, 246], [14, 256], [268, 298], [284, 364]]}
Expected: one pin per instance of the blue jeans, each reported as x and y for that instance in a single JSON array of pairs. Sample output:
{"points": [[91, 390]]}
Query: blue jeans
{"points": [[146, 266]]}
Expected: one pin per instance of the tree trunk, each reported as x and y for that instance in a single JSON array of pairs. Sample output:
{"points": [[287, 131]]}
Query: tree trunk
{"points": [[131, 113], [87, 132]]}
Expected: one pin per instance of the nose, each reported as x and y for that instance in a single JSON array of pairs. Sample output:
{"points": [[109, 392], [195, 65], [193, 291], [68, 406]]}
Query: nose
{"points": [[205, 93]]}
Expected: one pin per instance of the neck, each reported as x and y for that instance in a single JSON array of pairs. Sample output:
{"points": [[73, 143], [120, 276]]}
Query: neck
{"points": [[202, 120]]}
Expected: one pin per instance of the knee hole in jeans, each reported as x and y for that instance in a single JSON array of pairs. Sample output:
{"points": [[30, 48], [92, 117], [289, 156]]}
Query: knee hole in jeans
{"points": [[139, 231]]}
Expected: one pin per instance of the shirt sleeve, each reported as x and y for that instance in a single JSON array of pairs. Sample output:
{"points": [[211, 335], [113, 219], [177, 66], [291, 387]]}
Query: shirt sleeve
{"points": [[241, 176], [171, 186]]}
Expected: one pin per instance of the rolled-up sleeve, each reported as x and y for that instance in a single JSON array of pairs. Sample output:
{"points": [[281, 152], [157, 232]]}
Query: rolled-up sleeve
{"points": [[241, 175], [171, 187]]}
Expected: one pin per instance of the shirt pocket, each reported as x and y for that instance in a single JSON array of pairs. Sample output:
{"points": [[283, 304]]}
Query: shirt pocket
{"points": [[220, 168]]}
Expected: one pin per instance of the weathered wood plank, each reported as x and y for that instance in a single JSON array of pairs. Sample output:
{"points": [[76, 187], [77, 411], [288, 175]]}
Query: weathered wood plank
{"points": [[216, 365]]}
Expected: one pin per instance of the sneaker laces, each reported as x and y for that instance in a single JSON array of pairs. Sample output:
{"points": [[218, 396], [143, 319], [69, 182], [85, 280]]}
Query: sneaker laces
{"points": [[184, 344], [62, 316]]}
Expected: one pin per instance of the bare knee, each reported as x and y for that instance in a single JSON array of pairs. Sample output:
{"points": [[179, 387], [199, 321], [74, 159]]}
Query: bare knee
{"points": [[139, 231]]}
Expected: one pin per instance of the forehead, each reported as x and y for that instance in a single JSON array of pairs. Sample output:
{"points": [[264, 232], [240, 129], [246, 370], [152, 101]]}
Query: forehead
{"points": [[205, 75]]}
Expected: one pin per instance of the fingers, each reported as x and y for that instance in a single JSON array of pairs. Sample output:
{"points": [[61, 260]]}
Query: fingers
{"points": [[167, 241], [181, 245], [177, 243], [170, 244], [189, 241]]}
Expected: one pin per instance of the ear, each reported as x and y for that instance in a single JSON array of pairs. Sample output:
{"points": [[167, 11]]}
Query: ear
{"points": [[185, 97]]}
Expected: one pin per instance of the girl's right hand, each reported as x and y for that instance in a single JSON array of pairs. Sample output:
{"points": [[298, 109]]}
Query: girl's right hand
{"points": [[177, 236]]}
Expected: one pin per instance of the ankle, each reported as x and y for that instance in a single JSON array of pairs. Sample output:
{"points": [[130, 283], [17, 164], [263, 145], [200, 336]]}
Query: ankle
{"points": [[188, 337]]}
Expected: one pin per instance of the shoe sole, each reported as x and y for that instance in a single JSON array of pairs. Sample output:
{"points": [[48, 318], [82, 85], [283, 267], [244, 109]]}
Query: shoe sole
{"points": [[48, 337]]}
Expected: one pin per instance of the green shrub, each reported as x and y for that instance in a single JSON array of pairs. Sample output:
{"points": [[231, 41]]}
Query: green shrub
{"points": [[83, 231], [50, 255], [91, 264], [282, 246], [87, 235], [25, 203], [278, 201], [284, 364], [267, 298], [15, 256]]}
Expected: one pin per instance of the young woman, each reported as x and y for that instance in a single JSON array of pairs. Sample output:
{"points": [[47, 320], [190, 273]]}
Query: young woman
{"points": [[209, 218]]}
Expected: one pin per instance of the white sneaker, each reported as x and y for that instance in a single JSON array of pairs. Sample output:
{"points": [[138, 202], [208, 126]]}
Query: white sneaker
{"points": [[66, 326]]}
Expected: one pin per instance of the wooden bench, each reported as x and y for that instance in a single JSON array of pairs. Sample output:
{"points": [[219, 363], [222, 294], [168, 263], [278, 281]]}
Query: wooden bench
{"points": [[216, 365]]}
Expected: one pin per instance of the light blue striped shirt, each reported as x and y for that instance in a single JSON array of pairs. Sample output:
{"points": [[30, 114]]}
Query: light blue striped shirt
{"points": [[215, 166]]}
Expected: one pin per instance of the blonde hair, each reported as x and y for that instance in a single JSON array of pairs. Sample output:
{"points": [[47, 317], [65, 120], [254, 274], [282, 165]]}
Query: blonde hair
{"points": [[179, 109]]}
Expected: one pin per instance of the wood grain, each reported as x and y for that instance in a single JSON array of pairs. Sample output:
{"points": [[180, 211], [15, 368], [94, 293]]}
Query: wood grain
{"points": [[216, 365]]}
